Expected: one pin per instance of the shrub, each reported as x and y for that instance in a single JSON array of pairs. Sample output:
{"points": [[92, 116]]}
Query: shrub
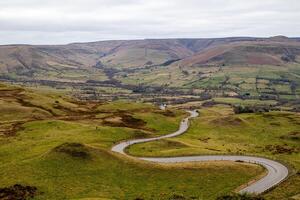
{"points": [[250, 109], [240, 197]]}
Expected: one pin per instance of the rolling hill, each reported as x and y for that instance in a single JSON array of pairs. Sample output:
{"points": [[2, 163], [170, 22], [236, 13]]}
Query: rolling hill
{"points": [[248, 67], [30, 59]]}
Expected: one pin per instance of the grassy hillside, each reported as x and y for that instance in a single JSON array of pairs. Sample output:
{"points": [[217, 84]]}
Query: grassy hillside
{"points": [[250, 68], [219, 131], [60, 149], [250, 82], [85, 170]]}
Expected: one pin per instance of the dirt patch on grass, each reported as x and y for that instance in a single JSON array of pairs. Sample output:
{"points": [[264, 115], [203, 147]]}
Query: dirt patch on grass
{"points": [[228, 121], [17, 192], [280, 149], [124, 120], [114, 120], [11, 129], [76, 150]]}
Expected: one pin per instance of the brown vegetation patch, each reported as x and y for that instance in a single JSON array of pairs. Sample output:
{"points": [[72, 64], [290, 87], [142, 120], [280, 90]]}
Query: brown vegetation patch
{"points": [[174, 144], [280, 149], [209, 104], [205, 139], [11, 129], [273, 116], [240, 197], [167, 113], [76, 150], [17, 192], [211, 149], [113, 119], [294, 135], [8, 93], [77, 117], [124, 120], [140, 134], [261, 59], [230, 120], [25, 103]]}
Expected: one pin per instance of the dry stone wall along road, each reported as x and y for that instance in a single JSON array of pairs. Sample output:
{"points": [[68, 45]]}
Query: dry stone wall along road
{"points": [[277, 172]]}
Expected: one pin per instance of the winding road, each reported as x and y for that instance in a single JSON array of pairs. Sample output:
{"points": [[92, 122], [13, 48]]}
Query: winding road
{"points": [[277, 172]]}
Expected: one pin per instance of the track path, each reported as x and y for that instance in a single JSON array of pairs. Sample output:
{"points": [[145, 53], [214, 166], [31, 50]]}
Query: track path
{"points": [[277, 172]]}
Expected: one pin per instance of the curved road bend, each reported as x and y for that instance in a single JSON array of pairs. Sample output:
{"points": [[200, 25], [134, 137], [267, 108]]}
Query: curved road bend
{"points": [[276, 171]]}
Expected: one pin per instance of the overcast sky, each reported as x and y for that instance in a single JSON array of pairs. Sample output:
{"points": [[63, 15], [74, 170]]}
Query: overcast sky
{"points": [[65, 21]]}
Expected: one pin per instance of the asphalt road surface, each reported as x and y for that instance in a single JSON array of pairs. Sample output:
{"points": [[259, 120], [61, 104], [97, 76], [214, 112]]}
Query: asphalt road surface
{"points": [[277, 172]]}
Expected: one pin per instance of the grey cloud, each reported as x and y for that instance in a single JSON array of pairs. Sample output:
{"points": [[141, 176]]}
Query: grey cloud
{"points": [[64, 21]]}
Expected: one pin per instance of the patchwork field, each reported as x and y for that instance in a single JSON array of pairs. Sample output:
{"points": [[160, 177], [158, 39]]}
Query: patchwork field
{"points": [[273, 82]]}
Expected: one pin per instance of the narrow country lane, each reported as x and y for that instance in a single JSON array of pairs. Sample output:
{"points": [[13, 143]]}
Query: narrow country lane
{"points": [[277, 172]]}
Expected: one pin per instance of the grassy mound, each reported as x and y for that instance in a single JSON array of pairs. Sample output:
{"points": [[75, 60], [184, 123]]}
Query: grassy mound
{"points": [[75, 150]]}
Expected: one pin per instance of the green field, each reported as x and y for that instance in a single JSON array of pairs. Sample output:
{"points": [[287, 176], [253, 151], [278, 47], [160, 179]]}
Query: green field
{"points": [[275, 82], [62, 147], [33, 159], [218, 131]]}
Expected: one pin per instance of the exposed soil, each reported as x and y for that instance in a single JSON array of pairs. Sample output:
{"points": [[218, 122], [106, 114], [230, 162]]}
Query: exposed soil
{"points": [[17, 192], [76, 150]]}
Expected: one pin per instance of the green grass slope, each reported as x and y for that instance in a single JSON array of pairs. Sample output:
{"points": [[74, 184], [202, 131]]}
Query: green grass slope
{"points": [[64, 151], [218, 131]]}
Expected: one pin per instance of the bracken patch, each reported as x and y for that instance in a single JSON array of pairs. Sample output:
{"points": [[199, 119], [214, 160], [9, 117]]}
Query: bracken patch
{"points": [[124, 120], [76, 150], [280, 149], [17, 192], [294, 135], [240, 197], [230, 120]]}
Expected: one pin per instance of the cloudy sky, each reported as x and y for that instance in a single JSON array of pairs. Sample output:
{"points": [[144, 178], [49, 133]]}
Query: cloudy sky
{"points": [[65, 21]]}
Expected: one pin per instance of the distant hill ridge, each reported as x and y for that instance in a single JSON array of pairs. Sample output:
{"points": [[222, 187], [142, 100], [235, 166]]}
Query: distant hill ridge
{"points": [[33, 60]]}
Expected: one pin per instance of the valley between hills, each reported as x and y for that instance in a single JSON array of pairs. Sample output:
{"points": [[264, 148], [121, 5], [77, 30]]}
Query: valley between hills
{"points": [[64, 107]]}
